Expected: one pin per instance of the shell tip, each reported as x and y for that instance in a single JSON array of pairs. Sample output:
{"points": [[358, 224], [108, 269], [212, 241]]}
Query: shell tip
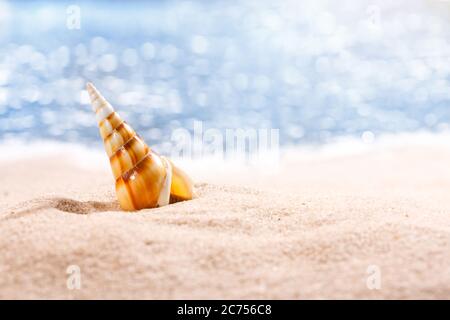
{"points": [[90, 86]]}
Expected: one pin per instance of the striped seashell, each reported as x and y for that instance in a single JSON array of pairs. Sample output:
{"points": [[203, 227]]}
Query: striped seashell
{"points": [[144, 179]]}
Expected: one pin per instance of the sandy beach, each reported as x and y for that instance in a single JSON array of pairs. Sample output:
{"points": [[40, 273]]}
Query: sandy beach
{"points": [[311, 228]]}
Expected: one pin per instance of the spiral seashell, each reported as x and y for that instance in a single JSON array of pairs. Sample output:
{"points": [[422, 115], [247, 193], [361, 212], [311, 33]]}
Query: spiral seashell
{"points": [[144, 179]]}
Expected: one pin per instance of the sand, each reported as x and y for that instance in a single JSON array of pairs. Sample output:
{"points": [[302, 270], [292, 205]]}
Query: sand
{"points": [[321, 225]]}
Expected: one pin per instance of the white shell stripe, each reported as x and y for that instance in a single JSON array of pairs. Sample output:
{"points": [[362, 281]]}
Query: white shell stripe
{"points": [[104, 112], [164, 196], [96, 104]]}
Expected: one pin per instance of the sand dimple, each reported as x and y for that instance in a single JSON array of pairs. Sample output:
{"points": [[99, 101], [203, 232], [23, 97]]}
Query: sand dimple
{"points": [[72, 206], [80, 207], [62, 204]]}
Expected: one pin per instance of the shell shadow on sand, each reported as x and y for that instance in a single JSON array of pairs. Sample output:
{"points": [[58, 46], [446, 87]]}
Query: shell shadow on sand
{"points": [[64, 205], [67, 205]]}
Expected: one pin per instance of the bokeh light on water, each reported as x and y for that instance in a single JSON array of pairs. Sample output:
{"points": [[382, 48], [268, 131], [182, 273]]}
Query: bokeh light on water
{"points": [[315, 69]]}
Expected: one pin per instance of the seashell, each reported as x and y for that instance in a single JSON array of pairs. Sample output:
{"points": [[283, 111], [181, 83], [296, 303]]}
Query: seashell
{"points": [[144, 179]]}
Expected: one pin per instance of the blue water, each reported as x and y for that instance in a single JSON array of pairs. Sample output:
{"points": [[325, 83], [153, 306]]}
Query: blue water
{"points": [[316, 70]]}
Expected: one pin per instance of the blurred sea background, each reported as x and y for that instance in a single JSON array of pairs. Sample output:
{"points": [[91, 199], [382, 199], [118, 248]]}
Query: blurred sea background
{"points": [[316, 70]]}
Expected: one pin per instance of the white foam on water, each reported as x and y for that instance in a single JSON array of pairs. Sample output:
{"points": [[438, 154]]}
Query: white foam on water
{"points": [[95, 158], [79, 155]]}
